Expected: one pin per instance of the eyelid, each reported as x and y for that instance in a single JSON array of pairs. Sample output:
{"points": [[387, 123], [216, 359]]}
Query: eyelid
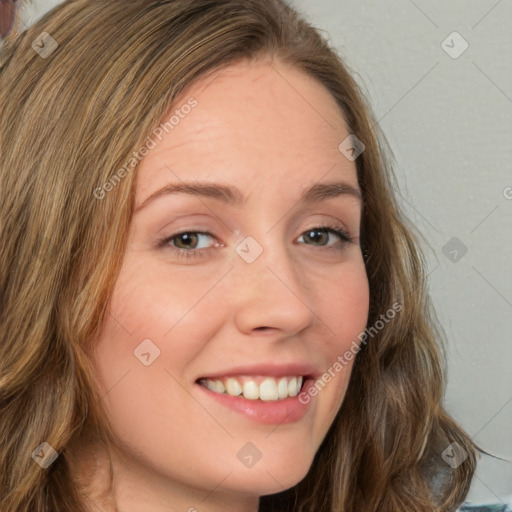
{"points": [[336, 229], [162, 242]]}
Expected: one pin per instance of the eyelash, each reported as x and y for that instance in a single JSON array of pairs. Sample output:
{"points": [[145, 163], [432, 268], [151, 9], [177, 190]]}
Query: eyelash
{"points": [[188, 253]]}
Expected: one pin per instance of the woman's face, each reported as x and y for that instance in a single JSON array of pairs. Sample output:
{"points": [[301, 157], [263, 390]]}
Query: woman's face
{"points": [[236, 271]]}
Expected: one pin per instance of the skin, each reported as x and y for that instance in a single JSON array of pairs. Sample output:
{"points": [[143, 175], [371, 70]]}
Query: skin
{"points": [[271, 131]]}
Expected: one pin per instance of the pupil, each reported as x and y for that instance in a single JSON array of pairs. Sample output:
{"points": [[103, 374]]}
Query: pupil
{"points": [[312, 235], [184, 237]]}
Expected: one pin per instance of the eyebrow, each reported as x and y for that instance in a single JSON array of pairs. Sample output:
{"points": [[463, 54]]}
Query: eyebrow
{"points": [[233, 196]]}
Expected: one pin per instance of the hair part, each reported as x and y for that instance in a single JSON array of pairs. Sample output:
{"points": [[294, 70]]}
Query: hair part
{"points": [[68, 123]]}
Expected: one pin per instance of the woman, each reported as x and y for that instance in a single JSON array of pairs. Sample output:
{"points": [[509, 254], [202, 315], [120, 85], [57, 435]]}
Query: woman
{"points": [[210, 299]]}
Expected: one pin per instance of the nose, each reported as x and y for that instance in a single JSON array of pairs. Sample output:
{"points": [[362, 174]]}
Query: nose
{"points": [[272, 294]]}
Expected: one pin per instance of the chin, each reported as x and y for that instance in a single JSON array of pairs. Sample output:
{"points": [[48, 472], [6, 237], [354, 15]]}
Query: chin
{"points": [[271, 477]]}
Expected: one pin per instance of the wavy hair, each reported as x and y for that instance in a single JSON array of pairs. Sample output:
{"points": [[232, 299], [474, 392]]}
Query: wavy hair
{"points": [[68, 122]]}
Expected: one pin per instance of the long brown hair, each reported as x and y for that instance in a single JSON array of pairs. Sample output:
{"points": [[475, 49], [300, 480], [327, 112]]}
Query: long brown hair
{"points": [[69, 121]]}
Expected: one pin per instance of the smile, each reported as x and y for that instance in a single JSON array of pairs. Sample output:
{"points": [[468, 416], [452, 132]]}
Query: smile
{"points": [[263, 388]]}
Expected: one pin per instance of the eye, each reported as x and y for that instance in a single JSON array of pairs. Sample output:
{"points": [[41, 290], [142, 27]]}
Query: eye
{"points": [[194, 243], [320, 234], [189, 239], [188, 243]]}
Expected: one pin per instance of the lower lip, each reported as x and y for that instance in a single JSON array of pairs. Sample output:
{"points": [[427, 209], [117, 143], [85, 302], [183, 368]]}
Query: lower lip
{"points": [[275, 412]]}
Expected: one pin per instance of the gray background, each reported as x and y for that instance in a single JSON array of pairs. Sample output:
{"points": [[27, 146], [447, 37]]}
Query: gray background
{"points": [[448, 120], [449, 124]]}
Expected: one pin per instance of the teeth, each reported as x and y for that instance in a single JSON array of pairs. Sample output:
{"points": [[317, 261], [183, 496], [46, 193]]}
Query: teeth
{"points": [[282, 387], [293, 389], [215, 385], [233, 387], [268, 389], [250, 390]]}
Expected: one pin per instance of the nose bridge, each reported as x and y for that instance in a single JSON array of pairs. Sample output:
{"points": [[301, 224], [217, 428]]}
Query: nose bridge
{"points": [[271, 292]]}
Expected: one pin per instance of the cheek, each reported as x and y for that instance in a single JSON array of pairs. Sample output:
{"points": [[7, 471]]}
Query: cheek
{"points": [[149, 322], [345, 306], [344, 310]]}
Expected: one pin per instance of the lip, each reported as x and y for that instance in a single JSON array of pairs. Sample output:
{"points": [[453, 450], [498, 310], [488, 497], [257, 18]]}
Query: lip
{"points": [[279, 412], [268, 369]]}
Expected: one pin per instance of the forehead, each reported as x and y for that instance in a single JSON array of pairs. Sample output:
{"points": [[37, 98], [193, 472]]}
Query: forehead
{"points": [[256, 124]]}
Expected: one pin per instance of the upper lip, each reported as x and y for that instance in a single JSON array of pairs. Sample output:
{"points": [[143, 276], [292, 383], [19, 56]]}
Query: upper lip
{"points": [[267, 369]]}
